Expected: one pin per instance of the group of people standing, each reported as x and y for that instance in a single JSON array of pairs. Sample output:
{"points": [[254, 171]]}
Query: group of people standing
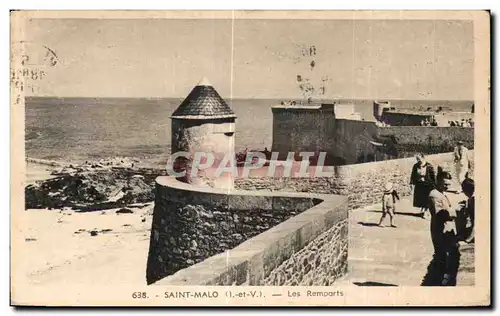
{"points": [[429, 195], [427, 122], [423, 176], [462, 123]]}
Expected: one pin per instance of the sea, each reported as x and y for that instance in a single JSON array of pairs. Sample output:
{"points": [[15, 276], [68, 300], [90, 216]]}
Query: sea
{"points": [[82, 129]]}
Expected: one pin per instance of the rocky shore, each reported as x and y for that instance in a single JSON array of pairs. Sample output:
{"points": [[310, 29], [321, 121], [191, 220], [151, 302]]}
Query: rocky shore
{"points": [[66, 242], [95, 185]]}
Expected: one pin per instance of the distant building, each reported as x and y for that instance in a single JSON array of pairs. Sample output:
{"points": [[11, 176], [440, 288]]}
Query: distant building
{"points": [[332, 128], [390, 115], [338, 130]]}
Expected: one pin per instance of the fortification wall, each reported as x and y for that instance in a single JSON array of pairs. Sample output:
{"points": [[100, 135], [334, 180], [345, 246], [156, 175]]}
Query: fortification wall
{"points": [[352, 143], [348, 141], [215, 237], [315, 129], [414, 118], [362, 183], [302, 129], [428, 139], [403, 119]]}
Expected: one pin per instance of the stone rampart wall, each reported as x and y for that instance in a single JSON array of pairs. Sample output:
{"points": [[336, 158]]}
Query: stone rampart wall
{"points": [[362, 183], [321, 262], [216, 237], [427, 139], [348, 142]]}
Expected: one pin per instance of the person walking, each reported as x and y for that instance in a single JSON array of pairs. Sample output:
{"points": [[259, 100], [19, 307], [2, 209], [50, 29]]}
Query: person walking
{"points": [[461, 161], [443, 269], [423, 180], [469, 210]]}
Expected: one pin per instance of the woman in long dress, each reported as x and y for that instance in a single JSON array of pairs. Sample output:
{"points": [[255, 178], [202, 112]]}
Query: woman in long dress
{"points": [[424, 181]]}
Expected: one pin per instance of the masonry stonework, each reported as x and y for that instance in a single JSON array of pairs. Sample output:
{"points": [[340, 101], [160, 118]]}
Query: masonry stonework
{"points": [[320, 263], [362, 183], [427, 139], [185, 234], [212, 237]]}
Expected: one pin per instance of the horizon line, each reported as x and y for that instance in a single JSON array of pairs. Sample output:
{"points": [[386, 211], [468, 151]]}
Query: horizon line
{"points": [[245, 98]]}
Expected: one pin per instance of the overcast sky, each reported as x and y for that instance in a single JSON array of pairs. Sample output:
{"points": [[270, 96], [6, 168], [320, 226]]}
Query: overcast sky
{"points": [[395, 59]]}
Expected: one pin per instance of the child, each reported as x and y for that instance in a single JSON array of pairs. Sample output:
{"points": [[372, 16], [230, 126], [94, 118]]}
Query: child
{"points": [[389, 204]]}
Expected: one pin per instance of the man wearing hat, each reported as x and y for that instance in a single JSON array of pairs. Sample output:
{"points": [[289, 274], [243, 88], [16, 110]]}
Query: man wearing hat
{"points": [[461, 160]]}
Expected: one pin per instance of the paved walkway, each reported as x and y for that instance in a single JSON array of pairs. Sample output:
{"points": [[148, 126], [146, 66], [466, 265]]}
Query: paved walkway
{"points": [[396, 256]]}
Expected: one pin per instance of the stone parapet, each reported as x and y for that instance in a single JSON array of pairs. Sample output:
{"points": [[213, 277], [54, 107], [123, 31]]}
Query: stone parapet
{"points": [[207, 236]]}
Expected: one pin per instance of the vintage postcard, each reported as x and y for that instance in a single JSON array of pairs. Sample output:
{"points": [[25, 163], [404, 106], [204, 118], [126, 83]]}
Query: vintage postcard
{"points": [[250, 158]]}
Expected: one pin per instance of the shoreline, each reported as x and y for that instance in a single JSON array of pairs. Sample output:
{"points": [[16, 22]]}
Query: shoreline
{"points": [[46, 162], [62, 163]]}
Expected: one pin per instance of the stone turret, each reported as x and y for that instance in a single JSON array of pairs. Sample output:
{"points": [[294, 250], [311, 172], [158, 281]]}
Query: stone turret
{"points": [[204, 122]]}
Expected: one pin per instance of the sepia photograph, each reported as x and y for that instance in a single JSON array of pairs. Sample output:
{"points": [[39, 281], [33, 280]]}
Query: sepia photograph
{"points": [[225, 158]]}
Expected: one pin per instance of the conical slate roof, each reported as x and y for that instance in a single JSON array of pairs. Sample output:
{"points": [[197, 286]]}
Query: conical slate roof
{"points": [[203, 102]]}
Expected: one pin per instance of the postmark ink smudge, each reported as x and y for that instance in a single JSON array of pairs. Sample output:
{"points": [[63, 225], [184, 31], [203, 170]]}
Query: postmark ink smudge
{"points": [[31, 64]]}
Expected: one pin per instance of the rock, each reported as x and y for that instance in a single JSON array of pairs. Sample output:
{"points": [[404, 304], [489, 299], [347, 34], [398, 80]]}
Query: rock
{"points": [[209, 225], [93, 233], [176, 251], [143, 219], [237, 236], [87, 188], [106, 230], [194, 244], [124, 211], [117, 195], [206, 214], [224, 226], [172, 241]]}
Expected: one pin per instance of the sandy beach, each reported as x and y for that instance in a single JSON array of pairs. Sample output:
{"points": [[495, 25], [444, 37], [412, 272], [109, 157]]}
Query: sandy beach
{"points": [[36, 172], [86, 248], [68, 246]]}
